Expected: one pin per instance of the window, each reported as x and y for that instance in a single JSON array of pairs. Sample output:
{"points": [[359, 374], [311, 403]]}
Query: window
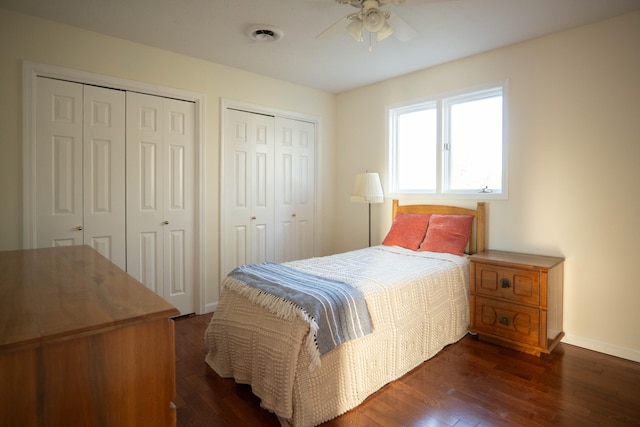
{"points": [[449, 145]]}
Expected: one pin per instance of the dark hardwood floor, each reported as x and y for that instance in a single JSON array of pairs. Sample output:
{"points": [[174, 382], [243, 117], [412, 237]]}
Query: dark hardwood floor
{"points": [[470, 383]]}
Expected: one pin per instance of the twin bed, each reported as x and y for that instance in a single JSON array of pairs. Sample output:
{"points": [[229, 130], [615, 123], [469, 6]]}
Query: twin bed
{"points": [[311, 363]]}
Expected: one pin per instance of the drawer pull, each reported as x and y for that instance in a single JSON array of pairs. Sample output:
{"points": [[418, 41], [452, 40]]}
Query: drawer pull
{"points": [[504, 320], [506, 283]]}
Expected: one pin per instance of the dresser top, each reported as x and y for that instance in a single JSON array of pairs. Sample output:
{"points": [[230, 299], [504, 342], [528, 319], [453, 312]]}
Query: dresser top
{"points": [[52, 293], [517, 259]]}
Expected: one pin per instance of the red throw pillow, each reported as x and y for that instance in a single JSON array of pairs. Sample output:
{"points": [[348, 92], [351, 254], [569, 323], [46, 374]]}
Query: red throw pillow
{"points": [[447, 233], [407, 231]]}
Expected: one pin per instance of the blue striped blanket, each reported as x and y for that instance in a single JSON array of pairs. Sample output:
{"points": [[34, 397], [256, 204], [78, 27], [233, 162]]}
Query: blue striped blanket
{"points": [[336, 311]]}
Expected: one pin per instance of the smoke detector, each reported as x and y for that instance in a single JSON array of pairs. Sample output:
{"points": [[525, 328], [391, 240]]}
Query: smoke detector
{"points": [[264, 33]]}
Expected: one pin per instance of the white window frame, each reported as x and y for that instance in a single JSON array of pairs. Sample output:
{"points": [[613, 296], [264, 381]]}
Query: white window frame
{"points": [[393, 114], [441, 103]]}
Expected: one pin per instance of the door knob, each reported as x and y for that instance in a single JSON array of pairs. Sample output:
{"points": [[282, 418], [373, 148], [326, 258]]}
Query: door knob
{"points": [[293, 215], [252, 218], [79, 228], [166, 223]]}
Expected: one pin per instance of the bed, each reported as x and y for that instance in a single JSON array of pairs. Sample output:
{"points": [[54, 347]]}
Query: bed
{"points": [[417, 299]]}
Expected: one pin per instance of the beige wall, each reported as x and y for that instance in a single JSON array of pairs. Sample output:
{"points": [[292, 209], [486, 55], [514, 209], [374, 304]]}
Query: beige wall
{"points": [[574, 156], [30, 39]]}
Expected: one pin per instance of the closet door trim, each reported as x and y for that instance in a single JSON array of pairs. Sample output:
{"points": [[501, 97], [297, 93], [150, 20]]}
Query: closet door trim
{"points": [[31, 71]]}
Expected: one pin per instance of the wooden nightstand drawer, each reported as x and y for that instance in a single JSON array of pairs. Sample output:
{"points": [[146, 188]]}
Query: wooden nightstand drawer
{"points": [[508, 283], [512, 321]]}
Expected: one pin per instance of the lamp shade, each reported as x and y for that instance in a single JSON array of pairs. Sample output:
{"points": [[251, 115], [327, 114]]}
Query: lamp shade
{"points": [[367, 188], [355, 29], [384, 32]]}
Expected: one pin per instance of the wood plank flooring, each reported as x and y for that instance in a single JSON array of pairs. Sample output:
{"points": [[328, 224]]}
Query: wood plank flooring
{"points": [[470, 383]]}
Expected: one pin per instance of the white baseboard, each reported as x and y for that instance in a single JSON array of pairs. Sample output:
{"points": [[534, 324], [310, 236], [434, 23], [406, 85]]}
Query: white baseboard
{"points": [[210, 308], [602, 347]]}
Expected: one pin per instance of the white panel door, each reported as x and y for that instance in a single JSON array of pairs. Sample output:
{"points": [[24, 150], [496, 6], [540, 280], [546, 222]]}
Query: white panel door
{"points": [[58, 167], [179, 204], [80, 168], [294, 189], [104, 172], [145, 198], [160, 196], [248, 189]]}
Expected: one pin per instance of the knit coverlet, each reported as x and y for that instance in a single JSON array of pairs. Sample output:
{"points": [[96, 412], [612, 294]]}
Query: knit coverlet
{"points": [[336, 311], [418, 303]]}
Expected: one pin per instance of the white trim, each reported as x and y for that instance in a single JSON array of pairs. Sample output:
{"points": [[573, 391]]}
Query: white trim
{"points": [[210, 308], [268, 111], [602, 347], [259, 109], [32, 70]]}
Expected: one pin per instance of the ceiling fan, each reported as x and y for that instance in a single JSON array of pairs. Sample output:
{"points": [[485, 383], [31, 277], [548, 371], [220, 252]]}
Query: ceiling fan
{"points": [[371, 18]]}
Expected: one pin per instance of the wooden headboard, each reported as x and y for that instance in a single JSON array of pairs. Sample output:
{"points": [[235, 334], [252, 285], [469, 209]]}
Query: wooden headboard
{"points": [[477, 238]]}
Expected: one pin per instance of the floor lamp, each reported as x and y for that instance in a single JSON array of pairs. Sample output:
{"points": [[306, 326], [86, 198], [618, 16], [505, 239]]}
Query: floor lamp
{"points": [[367, 189]]}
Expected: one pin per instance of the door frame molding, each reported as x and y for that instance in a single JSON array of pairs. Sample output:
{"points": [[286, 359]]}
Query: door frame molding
{"points": [[269, 111], [31, 71]]}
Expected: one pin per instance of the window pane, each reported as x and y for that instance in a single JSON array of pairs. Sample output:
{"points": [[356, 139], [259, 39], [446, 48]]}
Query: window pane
{"points": [[416, 150], [476, 145]]}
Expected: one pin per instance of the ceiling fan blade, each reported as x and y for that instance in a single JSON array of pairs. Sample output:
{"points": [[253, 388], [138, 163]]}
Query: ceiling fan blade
{"points": [[335, 29], [403, 31]]}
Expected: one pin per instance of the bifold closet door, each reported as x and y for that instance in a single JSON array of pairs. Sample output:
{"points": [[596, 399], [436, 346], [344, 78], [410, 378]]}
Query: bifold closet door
{"points": [[294, 189], [249, 189], [103, 172], [58, 170], [160, 196], [79, 167]]}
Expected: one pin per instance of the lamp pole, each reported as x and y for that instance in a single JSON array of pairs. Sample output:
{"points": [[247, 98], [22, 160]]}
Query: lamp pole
{"points": [[368, 189], [369, 224]]}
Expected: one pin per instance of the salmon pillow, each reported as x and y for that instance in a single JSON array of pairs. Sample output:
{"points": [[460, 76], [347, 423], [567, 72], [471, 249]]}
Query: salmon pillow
{"points": [[447, 233], [407, 231]]}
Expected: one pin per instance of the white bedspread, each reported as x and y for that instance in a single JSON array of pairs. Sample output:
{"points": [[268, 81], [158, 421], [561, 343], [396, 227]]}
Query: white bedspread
{"points": [[418, 302]]}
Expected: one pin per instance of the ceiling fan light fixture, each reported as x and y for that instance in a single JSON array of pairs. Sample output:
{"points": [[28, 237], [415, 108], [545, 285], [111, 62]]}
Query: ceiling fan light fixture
{"points": [[373, 20], [379, 23], [355, 29], [384, 32]]}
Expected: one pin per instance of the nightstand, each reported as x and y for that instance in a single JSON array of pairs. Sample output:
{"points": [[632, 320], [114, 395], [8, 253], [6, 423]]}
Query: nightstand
{"points": [[516, 300]]}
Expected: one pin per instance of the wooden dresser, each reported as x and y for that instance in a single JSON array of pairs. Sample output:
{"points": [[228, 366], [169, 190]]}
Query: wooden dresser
{"points": [[82, 343], [516, 300]]}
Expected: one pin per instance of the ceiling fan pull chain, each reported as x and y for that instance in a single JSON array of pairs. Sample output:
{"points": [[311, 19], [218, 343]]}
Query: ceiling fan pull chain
{"points": [[370, 47]]}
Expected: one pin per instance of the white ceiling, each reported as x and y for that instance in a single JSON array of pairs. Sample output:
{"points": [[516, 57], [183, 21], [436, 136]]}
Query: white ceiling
{"points": [[215, 30]]}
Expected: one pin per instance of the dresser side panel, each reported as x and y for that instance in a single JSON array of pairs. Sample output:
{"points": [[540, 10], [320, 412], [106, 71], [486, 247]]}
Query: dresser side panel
{"points": [[124, 377], [555, 301], [18, 387]]}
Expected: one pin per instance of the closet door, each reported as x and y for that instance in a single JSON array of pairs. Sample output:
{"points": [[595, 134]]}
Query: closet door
{"points": [[160, 196], [103, 172], [179, 204], [58, 166], [248, 189], [294, 189], [80, 148]]}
